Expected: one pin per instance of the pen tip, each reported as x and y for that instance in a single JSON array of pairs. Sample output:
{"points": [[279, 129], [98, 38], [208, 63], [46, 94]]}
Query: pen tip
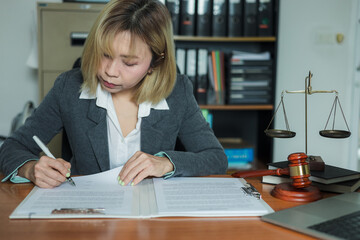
{"points": [[71, 182]]}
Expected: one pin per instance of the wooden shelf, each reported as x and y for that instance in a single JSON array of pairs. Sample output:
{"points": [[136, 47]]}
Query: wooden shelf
{"points": [[224, 39], [238, 107]]}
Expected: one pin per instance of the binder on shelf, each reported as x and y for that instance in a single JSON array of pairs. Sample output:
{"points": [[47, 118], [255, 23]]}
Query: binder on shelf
{"points": [[211, 98], [254, 69], [242, 56], [216, 91], [239, 62], [219, 18], [235, 18], [250, 78], [218, 70], [249, 91], [174, 9], [249, 99], [240, 154], [202, 76], [191, 67], [222, 66], [249, 82], [181, 59], [187, 17], [250, 18], [265, 18], [208, 116], [204, 18]]}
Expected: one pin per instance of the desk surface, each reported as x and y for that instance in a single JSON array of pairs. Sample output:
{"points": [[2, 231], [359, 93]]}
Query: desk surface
{"points": [[156, 228]]}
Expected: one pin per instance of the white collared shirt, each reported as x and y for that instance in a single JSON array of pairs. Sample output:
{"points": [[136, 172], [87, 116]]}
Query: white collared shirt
{"points": [[121, 148]]}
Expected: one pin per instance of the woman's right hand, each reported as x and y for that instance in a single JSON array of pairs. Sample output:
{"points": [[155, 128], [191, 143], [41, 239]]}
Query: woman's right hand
{"points": [[46, 172]]}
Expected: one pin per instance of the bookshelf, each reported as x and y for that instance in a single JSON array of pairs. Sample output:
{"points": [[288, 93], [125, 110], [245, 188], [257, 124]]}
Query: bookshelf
{"points": [[237, 107], [245, 121], [224, 39]]}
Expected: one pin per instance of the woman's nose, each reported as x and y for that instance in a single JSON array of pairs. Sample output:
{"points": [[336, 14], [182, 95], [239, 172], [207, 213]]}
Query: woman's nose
{"points": [[112, 69]]}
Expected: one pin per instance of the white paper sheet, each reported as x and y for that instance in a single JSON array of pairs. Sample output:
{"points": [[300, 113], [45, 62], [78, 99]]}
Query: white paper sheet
{"points": [[92, 191], [205, 197]]}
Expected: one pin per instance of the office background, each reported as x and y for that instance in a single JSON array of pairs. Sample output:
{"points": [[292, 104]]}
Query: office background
{"points": [[306, 41]]}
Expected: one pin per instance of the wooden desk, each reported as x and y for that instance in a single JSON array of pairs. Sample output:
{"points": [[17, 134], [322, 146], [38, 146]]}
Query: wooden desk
{"points": [[156, 228]]}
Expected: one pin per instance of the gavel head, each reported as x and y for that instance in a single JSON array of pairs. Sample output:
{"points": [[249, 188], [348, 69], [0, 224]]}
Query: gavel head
{"points": [[299, 170]]}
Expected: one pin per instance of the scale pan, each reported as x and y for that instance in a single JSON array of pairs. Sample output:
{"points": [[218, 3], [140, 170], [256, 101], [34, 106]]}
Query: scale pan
{"points": [[276, 133], [335, 133]]}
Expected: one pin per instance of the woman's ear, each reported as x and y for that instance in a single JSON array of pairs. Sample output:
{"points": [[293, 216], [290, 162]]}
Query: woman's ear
{"points": [[150, 71]]}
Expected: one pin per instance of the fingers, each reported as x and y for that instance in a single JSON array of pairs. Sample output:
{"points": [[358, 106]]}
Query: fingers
{"points": [[141, 176], [142, 165], [49, 172], [138, 170], [43, 184], [124, 171], [135, 165]]}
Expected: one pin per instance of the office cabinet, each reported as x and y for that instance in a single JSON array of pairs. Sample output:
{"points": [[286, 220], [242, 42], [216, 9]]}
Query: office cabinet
{"points": [[62, 30]]}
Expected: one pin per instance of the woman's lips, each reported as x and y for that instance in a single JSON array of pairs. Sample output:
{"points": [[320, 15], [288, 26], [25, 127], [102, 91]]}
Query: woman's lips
{"points": [[107, 84]]}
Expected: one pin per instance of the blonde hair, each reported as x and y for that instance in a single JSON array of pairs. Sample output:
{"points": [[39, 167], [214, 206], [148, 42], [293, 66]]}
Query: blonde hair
{"points": [[148, 20]]}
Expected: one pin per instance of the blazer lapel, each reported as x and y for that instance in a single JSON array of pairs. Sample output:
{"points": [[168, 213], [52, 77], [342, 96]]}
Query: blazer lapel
{"points": [[151, 137], [98, 135]]}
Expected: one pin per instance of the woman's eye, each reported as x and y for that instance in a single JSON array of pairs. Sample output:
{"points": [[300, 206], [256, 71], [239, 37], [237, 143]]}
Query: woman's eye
{"points": [[130, 64], [106, 55]]}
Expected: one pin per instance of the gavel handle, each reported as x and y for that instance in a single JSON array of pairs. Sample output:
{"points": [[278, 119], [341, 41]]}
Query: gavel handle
{"points": [[260, 173]]}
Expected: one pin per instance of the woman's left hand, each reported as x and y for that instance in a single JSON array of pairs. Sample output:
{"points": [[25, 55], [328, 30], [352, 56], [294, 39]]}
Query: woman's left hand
{"points": [[142, 165]]}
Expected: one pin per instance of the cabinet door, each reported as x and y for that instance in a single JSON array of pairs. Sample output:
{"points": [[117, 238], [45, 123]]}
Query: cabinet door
{"points": [[57, 33]]}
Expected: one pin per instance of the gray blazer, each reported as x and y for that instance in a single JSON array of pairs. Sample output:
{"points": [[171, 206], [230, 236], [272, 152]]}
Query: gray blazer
{"points": [[86, 128]]}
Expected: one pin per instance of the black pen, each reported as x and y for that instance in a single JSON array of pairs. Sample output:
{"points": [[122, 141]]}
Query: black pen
{"points": [[49, 154]]}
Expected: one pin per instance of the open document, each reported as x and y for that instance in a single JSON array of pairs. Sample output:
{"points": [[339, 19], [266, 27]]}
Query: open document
{"points": [[100, 196]]}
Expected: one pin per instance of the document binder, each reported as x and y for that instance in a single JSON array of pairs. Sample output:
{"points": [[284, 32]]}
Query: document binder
{"points": [[187, 17], [265, 18], [100, 196], [191, 60], [181, 59], [204, 18], [250, 18], [174, 9], [202, 76], [250, 78], [235, 18], [216, 90], [219, 18]]}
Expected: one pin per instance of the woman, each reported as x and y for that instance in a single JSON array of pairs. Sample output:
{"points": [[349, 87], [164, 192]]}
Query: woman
{"points": [[125, 106]]}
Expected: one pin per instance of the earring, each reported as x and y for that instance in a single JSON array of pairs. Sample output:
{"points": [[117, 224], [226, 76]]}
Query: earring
{"points": [[150, 71]]}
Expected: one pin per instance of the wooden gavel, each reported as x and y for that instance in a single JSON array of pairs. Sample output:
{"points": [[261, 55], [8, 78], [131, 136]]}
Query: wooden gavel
{"points": [[298, 170]]}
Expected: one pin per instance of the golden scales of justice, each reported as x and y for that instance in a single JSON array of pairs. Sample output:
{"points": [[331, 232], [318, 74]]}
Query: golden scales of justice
{"points": [[325, 133], [300, 189]]}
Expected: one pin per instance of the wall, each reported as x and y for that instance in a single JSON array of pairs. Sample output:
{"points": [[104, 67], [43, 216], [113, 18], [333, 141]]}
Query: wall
{"points": [[307, 41], [18, 81]]}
